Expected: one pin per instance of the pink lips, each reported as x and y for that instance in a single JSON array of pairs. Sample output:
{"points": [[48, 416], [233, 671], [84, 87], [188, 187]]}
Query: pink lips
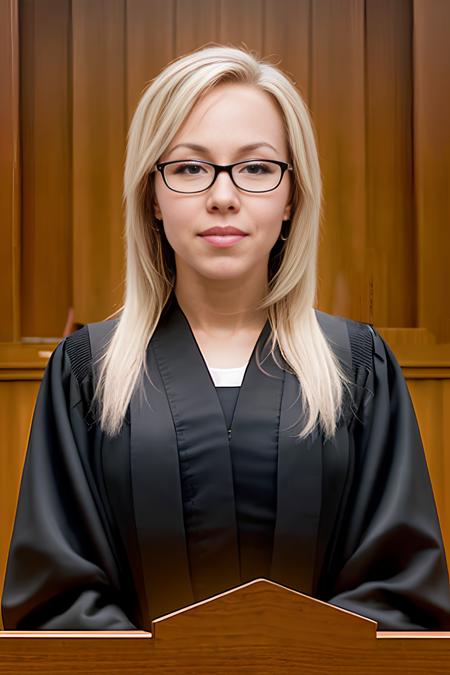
{"points": [[222, 231], [223, 236], [221, 241]]}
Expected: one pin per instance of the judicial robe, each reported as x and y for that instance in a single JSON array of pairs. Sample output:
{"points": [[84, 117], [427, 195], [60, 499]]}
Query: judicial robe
{"points": [[111, 533]]}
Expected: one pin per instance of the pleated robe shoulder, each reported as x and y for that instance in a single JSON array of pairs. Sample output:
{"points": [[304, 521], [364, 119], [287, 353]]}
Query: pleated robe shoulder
{"points": [[101, 539]]}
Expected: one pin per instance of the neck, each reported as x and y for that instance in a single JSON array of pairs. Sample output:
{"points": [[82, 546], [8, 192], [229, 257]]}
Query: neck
{"points": [[222, 308]]}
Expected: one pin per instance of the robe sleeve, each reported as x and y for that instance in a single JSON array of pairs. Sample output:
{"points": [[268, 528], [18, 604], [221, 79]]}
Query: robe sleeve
{"points": [[391, 560], [62, 571]]}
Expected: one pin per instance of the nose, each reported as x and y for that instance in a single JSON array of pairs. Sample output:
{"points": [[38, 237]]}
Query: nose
{"points": [[223, 193]]}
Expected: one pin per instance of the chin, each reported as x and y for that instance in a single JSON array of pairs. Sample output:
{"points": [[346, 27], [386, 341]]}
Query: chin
{"points": [[223, 271]]}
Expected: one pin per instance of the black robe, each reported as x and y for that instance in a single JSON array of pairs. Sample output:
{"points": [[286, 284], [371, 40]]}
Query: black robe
{"points": [[180, 506]]}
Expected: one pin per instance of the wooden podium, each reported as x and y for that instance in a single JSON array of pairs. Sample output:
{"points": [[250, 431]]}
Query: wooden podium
{"points": [[259, 627]]}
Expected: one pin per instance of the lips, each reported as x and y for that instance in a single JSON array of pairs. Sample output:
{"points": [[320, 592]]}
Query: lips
{"points": [[222, 231]]}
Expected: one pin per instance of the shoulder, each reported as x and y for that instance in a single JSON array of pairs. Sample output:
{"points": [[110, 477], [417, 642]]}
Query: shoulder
{"points": [[355, 341], [81, 350], [84, 346]]}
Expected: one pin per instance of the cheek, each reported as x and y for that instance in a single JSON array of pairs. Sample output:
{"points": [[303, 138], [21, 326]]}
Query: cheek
{"points": [[180, 229], [269, 219], [175, 216], [176, 208]]}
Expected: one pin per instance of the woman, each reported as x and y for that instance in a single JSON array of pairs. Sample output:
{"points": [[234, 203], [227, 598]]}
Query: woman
{"points": [[221, 429]]}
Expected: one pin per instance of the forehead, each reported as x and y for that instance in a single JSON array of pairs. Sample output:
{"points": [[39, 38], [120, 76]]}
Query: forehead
{"points": [[234, 114]]}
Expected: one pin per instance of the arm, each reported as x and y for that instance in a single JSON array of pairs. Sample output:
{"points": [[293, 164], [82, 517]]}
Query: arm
{"points": [[391, 560], [62, 572]]}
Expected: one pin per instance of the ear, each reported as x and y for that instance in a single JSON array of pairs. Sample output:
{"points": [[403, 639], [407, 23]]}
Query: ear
{"points": [[287, 211], [157, 210]]}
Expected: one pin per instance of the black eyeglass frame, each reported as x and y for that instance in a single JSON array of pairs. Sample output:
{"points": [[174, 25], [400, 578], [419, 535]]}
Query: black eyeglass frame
{"points": [[223, 167]]}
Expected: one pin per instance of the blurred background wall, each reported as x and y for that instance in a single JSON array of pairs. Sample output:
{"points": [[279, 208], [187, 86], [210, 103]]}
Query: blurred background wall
{"points": [[374, 74]]}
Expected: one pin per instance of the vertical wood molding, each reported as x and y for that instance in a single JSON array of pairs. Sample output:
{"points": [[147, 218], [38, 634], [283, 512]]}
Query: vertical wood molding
{"points": [[10, 183], [338, 108], [45, 114], [391, 232], [99, 132], [432, 162]]}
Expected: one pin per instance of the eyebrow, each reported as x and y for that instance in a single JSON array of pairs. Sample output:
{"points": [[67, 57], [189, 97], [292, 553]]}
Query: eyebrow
{"points": [[243, 148]]}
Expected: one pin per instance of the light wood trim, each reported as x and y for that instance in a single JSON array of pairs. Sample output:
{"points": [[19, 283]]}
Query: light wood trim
{"points": [[21, 362]]}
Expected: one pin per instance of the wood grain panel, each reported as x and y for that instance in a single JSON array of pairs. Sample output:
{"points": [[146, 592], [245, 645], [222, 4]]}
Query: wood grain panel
{"points": [[432, 162], [46, 292], [287, 40], [426, 368], [241, 22], [391, 233], [196, 24], [431, 398], [99, 115], [352, 62], [10, 172], [17, 400], [150, 38], [338, 107], [413, 337], [220, 638]]}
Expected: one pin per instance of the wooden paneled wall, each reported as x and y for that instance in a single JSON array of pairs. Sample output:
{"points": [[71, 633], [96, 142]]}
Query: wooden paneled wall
{"points": [[374, 74]]}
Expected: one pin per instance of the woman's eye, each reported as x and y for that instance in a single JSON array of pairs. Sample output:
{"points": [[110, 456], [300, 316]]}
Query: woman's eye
{"points": [[192, 169], [256, 169]]}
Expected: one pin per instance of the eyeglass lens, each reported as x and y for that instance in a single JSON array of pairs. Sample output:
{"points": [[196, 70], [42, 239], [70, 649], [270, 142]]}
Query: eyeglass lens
{"points": [[195, 176]]}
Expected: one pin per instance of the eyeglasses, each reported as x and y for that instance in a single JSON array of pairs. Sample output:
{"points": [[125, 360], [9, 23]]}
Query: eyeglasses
{"points": [[256, 175]]}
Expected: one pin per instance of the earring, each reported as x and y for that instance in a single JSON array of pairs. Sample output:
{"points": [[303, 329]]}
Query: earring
{"points": [[287, 223], [156, 228]]}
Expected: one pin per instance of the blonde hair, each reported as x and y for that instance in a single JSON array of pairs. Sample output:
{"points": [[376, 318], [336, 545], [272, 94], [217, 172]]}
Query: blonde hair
{"points": [[150, 273]]}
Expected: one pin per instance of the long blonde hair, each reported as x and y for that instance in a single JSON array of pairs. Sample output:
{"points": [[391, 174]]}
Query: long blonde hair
{"points": [[150, 270]]}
